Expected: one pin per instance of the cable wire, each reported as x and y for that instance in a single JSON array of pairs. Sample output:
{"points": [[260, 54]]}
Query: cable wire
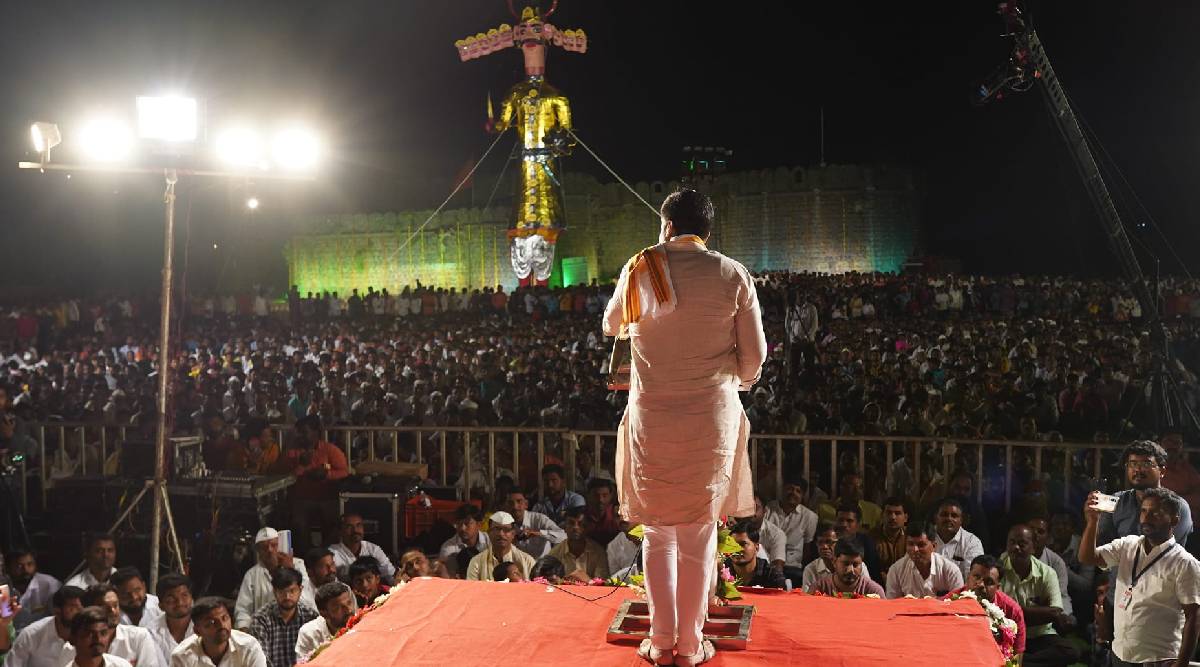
{"points": [[1116, 168], [447, 200], [610, 170]]}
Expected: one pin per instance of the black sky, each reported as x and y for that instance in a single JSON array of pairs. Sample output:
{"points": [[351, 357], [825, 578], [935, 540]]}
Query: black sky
{"points": [[398, 108]]}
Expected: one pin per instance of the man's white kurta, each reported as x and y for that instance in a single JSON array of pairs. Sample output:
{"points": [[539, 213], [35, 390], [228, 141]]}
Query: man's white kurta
{"points": [[682, 445]]}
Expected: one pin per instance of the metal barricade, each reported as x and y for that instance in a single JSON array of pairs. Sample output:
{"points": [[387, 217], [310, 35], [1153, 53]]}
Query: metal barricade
{"points": [[472, 457]]}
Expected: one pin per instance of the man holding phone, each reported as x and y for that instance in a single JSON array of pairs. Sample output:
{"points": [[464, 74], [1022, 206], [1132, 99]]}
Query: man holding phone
{"points": [[1157, 583]]}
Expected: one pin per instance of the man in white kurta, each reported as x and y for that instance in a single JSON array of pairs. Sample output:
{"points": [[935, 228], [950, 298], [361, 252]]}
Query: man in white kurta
{"points": [[696, 334]]}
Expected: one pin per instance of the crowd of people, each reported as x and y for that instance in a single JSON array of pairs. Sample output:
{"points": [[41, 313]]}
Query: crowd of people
{"points": [[1046, 575], [1033, 359], [1030, 358]]}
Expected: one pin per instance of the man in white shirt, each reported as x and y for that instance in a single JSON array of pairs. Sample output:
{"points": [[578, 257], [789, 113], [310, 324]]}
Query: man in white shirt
{"points": [[798, 523], [256, 591], [174, 625], [100, 555], [953, 541], [92, 632], [922, 572], [501, 532], [335, 603], [352, 547], [43, 643], [456, 553], [137, 606], [536, 533], [1157, 584], [34, 590], [216, 642], [130, 642]]}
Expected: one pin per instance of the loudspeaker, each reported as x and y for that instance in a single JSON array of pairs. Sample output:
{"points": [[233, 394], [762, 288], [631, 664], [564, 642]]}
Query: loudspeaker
{"points": [[137, 459]]}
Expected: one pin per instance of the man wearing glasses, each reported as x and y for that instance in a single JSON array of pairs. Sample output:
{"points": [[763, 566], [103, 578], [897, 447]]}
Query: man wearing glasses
{"points": [[1145, 462]]}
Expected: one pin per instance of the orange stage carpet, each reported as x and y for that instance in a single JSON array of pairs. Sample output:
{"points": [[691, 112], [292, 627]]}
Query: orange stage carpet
{"points": [[444, 622]]}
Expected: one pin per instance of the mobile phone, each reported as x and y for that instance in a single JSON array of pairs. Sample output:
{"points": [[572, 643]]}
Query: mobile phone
{"points": [[6, 606], [285, 542], [1105, 502]]}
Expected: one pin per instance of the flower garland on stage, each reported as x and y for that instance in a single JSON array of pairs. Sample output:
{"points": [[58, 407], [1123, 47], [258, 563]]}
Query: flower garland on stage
{"points": [[1004, 629]]}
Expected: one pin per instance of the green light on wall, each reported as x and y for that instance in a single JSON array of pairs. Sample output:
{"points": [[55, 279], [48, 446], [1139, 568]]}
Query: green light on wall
{"points": [[574, 271]]}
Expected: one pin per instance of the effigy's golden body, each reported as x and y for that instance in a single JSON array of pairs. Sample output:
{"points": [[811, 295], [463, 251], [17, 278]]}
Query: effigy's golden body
{"points": [[541, 116]]}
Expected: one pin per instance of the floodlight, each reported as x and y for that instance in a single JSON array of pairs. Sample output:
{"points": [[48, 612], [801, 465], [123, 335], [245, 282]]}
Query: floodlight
{"points": [[295, 148], [252, 203], [239, 146], [105, 140], [171, 119], [45, 136]]}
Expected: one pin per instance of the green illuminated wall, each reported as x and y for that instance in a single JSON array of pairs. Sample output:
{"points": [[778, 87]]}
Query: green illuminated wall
{"points": [[463, 249], [832, 219]]}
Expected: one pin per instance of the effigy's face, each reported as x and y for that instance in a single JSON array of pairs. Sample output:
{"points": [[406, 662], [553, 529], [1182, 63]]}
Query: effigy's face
{"points": [[535, 58]]}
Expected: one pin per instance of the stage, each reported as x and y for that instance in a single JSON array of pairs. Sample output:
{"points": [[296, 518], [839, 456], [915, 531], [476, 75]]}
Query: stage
{"points": [[441, 621]]}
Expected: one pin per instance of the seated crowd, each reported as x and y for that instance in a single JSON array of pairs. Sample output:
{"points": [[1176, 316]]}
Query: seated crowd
{"points": [[1048, 577]]}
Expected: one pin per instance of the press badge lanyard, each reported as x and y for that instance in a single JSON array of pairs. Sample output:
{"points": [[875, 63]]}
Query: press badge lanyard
{"points": [[1136, 576]]}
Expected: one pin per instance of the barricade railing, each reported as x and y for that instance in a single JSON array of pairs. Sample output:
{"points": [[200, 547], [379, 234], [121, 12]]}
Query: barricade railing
{"points": [[459, 455]]}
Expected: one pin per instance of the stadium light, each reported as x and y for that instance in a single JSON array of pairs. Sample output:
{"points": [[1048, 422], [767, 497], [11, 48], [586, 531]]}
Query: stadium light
{"points": [[45, 136], [105, 140], [240, 147], [295, 149], [170, 126], [171, 119]]}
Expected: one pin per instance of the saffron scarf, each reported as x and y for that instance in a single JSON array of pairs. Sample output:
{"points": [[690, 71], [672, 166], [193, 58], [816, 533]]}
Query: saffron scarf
{"points": [[648, 288]]}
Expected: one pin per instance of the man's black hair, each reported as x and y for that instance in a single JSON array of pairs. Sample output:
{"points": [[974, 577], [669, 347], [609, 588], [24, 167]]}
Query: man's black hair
{"points": [[846, 547], [329, 592], [747, 527], [206, 605], [363, 565], [691, 212], [125, 574], [89, 616], [172, 581], [95, 594], [65, 594], [284, 577], [468, 511], [1145, 448]]}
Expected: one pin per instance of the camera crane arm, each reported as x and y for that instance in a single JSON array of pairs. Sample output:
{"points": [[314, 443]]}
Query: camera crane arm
{"points": [[1028, 65]]}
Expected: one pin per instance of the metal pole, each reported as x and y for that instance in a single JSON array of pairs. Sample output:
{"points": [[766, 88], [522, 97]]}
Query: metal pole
{"points": [[164, 375]]}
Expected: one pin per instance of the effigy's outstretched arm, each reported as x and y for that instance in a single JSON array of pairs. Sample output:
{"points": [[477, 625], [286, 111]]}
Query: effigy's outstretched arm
{"points": [[508, 111]]}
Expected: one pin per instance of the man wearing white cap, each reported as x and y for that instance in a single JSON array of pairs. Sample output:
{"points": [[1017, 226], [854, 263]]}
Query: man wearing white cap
{"points": [[501, 533], [256, 591], [696, 334]]}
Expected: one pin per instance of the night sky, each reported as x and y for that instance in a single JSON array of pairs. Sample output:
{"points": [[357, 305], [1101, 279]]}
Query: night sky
{"points": [[401, 114]]}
